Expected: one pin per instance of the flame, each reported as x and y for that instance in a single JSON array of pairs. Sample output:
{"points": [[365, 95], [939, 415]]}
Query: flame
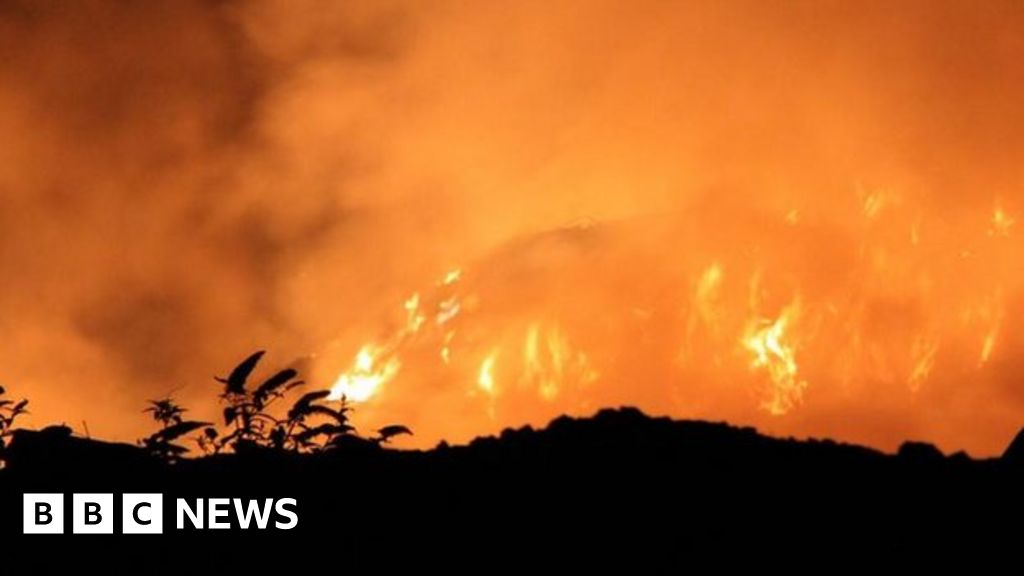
{"points": [[549, 362], [774, 352], [706, 312], [447, 310], [486, 378], [889, 318], [368, 373], [446, 347], [708, 294], [414, 318], [1001, 223], [923, 355], [988, 346], [991, 316], [451, 277]]}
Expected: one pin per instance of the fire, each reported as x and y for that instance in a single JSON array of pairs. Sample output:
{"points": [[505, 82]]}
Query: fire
{"points": [[451, 277], [708, 294], [704, 320], [988, 346], [901, 306], [448, 309], [774, 352], [446, 347], [923, 354], [414, 318], [486, 378], [549, 362], [991, 316], [368, 373]]}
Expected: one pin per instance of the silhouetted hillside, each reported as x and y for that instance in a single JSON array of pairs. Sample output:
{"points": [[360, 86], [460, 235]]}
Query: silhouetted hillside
{"points": [[618, 485]]}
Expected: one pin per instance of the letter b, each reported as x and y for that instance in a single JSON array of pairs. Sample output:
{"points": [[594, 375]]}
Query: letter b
{"points": [[43, 514], [92, 514]]}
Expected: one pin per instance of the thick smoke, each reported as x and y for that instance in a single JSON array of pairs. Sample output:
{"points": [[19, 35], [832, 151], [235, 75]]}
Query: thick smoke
{"points": [[183, 182]]}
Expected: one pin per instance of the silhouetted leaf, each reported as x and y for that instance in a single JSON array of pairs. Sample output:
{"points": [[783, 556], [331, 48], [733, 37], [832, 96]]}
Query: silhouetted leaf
{"points": [[176, 449], [302, 405], [20, 407], [5, 403], [229, 414], [2, 390], [210, 433], [235, 383], [388, 432], [337, 415], [323, 429], [179, 429], [272, 384], [165, 411]]}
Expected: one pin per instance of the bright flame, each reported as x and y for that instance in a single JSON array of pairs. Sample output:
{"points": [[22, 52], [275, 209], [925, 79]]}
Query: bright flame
{"points": [[890, 317], [367, 375], [446, 347], [773, 350], [414, 319], [448, 309], [486, 378]]}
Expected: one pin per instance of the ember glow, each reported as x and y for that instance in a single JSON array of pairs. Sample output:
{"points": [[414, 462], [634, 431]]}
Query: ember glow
{"points": [[460, 216]]}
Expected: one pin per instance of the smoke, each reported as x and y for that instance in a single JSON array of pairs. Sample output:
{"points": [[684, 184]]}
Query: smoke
{"points": [[183, 182]]}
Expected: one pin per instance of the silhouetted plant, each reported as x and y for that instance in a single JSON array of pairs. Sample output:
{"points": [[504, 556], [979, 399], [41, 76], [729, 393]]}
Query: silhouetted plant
{"points": [[312, 424], [172, 427], [246, 411], [385, 434], [9, 412]]}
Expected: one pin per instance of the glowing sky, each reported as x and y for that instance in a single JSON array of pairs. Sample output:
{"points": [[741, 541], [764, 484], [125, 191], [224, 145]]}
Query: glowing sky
{"points": [[184, 182]]}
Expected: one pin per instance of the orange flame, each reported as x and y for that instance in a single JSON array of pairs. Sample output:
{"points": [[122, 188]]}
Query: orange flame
{"points": [[771, 344], [368, 373], [549, 362], [486, 378]]}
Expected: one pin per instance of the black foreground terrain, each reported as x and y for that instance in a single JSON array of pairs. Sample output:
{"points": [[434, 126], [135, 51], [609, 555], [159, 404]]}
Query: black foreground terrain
{"points": [[620, 486]]}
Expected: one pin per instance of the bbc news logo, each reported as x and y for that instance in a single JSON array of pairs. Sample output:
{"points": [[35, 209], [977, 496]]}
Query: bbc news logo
{"points": [[144, 514]]}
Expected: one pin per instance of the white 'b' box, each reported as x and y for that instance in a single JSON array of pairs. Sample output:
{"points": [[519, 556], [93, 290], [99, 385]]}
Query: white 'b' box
{"points": [[92, 513], [43, 514]]}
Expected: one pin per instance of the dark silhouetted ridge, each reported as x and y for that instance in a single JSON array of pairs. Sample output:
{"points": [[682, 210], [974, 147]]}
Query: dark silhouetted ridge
{"points": [[618, 484], [1014, 453]]}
